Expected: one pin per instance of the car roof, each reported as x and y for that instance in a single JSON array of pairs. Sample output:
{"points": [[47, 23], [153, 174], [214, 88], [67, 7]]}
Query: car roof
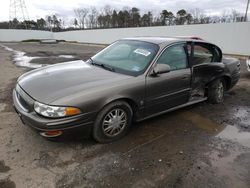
{"points": [[165, 40]]}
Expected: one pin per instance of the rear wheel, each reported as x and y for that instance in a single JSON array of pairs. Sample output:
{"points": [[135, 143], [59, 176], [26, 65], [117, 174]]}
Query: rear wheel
{"points": [[112, 122], [216, 91]]}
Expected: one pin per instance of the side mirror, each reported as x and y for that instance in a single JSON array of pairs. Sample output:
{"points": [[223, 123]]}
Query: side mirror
{"points": [[161, 68]]}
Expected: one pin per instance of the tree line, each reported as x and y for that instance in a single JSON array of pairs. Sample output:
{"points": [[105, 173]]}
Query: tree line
{"points": [[107, 17]]}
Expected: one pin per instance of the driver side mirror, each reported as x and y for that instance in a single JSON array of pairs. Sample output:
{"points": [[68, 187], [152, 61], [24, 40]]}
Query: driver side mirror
{"points": [[160, 69]]}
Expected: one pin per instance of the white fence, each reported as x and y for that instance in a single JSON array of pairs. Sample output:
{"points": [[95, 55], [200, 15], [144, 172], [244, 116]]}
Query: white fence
{"points": [[12, 35], [233, 38]]}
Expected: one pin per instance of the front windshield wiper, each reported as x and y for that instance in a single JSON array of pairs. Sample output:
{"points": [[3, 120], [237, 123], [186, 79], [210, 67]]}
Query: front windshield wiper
{"points": [[102, 65]]}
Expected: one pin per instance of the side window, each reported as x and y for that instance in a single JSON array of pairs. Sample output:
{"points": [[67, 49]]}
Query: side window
{"points": [[174, 56], [202, 54]]}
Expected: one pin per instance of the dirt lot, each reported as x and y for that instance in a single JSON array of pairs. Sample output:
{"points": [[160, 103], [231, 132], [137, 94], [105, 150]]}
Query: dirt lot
{"points": [[199, 146]]}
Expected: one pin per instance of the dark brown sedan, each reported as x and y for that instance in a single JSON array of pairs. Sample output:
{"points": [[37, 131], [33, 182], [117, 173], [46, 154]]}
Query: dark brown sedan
{"points": [[130, 80]]}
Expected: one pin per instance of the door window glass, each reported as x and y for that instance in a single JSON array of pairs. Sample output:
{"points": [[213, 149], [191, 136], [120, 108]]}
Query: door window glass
{"points": [[201, 55], [174, 56]]}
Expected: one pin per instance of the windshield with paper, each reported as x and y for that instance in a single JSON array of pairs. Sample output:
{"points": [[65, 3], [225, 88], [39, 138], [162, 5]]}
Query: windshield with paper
{"points": [[127, 56]]}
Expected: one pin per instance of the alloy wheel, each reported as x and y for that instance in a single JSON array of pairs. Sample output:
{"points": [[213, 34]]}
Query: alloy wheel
{"points": [[114, 122]]}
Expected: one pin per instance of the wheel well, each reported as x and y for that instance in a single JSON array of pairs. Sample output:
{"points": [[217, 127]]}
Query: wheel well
{"points": [[227, 80], [131, 103]]}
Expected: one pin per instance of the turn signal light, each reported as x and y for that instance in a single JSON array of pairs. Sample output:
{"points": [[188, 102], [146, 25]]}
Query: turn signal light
{"points": [[70, 111]]}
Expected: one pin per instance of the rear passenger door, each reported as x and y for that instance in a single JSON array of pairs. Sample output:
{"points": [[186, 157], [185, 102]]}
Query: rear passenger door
{"points": [[204, 58]]}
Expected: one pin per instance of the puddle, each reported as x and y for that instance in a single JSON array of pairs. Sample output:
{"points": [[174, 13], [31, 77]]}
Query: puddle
{"points": [[234, 134], [231, 145], [228, 168], [242, 114], [226, 158], [201, 121], [2, 107], [228, 132], [21, 59]]}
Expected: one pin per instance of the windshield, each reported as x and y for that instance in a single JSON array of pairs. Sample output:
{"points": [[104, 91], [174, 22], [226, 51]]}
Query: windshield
{"points": [[127, 56]]}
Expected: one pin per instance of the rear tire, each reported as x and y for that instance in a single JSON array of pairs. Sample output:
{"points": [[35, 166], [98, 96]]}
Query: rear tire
{"points": [[112, 122], [216, 91]]}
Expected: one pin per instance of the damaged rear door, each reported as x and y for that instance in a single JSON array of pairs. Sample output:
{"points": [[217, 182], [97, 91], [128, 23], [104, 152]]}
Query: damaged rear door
{"points": [[206, 65]]}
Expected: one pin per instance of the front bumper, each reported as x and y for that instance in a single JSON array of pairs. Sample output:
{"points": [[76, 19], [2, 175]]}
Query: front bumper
{"points": [[29, 117]]}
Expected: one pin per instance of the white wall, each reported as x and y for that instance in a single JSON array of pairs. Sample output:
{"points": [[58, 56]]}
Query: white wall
{"points": [[233, 38], [12, 35]]}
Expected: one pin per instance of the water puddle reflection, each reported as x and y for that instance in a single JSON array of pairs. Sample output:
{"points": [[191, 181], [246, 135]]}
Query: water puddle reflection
{"points": [[21, 59], [228, 132], [234, 134], [201, 121]]}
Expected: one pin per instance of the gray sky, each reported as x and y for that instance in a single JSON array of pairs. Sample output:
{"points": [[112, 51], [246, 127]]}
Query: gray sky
{"points": [[41, 8]]}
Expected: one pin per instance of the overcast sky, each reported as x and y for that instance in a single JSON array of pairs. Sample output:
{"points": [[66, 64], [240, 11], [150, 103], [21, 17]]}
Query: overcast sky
{"points": [[41, 8]]}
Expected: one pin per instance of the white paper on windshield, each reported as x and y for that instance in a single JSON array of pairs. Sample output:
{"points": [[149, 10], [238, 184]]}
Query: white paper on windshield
{"points": [[142, 52]]}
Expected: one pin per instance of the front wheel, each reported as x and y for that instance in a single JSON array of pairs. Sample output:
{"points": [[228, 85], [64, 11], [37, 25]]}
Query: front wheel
{"points": [[112, 122], [216, 91]]}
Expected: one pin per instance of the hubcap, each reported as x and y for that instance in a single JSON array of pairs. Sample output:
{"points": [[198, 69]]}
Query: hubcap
{"points": [[220, 90], [114, 122]]}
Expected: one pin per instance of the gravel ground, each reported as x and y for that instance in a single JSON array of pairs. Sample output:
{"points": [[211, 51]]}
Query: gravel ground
{"points": [[199, 146]]}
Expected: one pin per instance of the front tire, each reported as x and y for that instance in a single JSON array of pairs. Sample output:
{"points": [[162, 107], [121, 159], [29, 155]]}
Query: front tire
{"points": [[216, 91], [112, 122]]}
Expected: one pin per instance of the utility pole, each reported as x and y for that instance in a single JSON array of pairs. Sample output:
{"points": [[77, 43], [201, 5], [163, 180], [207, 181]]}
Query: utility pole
{"points": [[247, 10], [18, 13]]}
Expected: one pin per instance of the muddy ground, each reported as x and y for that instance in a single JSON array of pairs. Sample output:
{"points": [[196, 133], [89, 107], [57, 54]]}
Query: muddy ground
{"points": [[199, 146]]}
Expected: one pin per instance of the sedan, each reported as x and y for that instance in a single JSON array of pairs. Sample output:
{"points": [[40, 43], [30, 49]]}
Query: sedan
{"points": [[131, 80]]}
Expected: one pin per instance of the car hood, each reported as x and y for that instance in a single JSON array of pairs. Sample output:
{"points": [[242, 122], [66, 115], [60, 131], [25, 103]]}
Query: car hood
{"points": [[61, 80]]}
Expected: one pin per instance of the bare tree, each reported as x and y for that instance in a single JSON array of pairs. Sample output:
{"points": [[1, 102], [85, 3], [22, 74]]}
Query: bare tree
{"points": [[226, 16], [93, 14], [235, 15], [64, 20], [198, 15], [214, 19], [107, 10], [75, 22], [81, 14], [49, 22], [57, 22], [108, 15]]}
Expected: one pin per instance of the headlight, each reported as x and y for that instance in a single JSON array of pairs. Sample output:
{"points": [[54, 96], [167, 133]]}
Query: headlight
{"points": [[55, 111]]}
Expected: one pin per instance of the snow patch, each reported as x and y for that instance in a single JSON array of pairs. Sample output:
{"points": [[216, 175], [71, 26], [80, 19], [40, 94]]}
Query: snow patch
{"points": [[66, 56]]}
